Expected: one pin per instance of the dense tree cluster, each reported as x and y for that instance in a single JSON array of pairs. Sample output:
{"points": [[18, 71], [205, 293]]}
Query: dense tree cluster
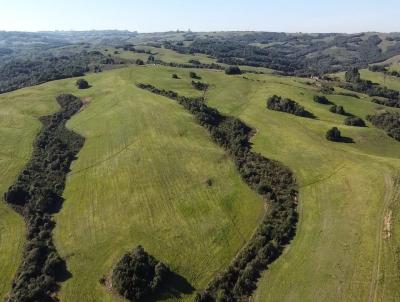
{"points": [[36, 195], [138, 275], [354, 121], [388, 121], [333, 135], [200, 85], [338, 110], [278, 103], [321, 99], [388, 102], [273, 181], [233, 70]]}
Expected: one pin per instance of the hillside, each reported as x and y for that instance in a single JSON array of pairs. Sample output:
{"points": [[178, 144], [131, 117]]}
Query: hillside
{"points": [[149, 174]]}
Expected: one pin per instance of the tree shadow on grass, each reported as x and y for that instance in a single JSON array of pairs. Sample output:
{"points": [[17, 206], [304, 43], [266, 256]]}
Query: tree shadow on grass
{"points": [[174, 288], [346, 140]]}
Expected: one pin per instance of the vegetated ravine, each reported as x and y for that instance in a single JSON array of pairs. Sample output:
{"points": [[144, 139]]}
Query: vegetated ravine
{"points": [[273, 181], [36, 195]]}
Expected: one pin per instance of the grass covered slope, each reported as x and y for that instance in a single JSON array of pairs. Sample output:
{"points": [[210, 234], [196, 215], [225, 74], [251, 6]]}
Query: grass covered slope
{"points": [[19, 125], [144, 175], [148, 175], [346, 190]]}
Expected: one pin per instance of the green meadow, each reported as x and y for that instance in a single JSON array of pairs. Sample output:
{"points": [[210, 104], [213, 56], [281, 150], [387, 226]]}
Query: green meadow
{"points": [[144, 173]]}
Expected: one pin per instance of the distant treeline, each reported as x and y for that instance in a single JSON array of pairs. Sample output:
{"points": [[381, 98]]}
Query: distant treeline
{"points": [[355, 83], [384, 70], [303, 54], [388, 121], [21, 73], [273, 181], [36, 195]]}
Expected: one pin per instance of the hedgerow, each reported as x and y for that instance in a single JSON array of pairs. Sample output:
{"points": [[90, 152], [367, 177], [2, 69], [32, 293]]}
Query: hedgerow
{"points": [[36, 195]]}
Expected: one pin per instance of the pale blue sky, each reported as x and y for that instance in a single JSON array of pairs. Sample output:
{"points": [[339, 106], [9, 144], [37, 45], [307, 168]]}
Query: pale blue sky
{"points": [[202, 15]]}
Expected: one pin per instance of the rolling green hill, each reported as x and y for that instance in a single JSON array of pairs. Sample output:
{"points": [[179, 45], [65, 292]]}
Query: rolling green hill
{"points": [[149, 174]]}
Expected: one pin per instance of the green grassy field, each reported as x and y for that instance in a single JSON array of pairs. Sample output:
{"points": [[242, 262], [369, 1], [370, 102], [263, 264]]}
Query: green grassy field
{"points": [[338, 253], [141, 179]]}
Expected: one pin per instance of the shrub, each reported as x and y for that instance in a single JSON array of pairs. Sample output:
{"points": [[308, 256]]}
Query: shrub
{"points": [[320, 99], [82, 84], [333, 135], [233, 70], [338, 110], [175, 76], [139, 62], [199, 85], [193, 75], [138, 275], [354, 121]]}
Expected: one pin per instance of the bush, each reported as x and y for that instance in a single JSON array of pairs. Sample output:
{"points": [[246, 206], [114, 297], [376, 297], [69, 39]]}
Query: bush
{"points": [[193, 75], [137, 275], [139, 62], [233, 70], [354, 121], [338, 110], [175, 76], [321, 100], [278, 103], [82, 84], [333, 135], [199, 85]]}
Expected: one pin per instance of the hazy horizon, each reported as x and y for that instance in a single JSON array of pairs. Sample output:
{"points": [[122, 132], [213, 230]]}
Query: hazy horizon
{"points": [[208, 16]]}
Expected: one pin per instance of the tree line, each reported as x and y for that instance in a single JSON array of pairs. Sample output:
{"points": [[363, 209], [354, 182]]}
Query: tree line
{"points": [[269, 178], [36, 195]]}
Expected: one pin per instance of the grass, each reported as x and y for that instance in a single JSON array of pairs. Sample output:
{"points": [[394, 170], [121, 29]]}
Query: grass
{"points": [[140, 179]]}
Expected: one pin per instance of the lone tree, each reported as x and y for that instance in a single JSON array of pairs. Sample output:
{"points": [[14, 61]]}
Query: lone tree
{"points": [[353, 75], [138, 275], [233, 70], [333, 135], [82, 84]]}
